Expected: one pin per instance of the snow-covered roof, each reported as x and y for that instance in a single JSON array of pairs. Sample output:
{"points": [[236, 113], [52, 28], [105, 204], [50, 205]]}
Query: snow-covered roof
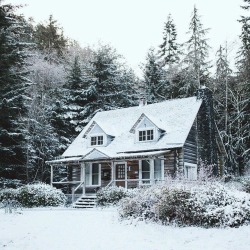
{"points": [[173, 116]]}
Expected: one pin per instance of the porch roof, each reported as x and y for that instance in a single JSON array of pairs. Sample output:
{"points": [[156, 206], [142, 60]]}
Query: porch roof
{"points": [[140, 154], [65, 160], [125, 156]]}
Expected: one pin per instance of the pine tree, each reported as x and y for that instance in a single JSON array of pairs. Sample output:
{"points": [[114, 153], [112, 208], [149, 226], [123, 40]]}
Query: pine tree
{"points": [[44, 137], [12, 91], [100, 83], [49, 37], [169, 49], [75, 100], [241, 98], [221, 87], [197, 51], [154, 79], [109, 85]]}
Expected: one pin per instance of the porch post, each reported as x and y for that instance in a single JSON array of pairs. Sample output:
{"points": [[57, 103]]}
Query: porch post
{"points": [[82, 178], [152, 171], [162, 171], [51, 175], [140, 172], [113, 173]]}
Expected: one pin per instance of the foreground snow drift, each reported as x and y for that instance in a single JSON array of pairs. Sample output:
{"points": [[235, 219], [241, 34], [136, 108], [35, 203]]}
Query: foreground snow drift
{"points": [[100, 229]]}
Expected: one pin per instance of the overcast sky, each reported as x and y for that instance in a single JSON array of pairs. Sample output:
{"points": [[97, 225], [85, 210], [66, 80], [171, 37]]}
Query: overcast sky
{"points": [[133, 26]]}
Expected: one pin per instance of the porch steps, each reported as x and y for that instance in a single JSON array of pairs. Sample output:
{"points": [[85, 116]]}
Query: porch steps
{"points": [[85, 202]]}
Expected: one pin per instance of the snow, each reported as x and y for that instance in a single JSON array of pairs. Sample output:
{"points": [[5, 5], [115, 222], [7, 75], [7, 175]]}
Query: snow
{"points": [[174, 116], [100, 229]]}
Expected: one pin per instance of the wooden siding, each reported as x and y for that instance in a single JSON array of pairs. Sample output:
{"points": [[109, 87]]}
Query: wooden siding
{"points": [[170, 163], [76, 173], [180, 161], [190, 146]]}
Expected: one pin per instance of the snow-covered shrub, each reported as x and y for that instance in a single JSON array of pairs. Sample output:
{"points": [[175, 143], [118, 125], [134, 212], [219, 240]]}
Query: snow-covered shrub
{"points": [[8, 194], [216, 205], [173, 207], [36, 195], [245, 181], [142, 203], [8, 199], [209, 205], [110, 195]]}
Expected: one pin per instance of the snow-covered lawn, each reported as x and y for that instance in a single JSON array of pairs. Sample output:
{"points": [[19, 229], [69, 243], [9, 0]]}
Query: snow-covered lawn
{"points": [[100, 229]]}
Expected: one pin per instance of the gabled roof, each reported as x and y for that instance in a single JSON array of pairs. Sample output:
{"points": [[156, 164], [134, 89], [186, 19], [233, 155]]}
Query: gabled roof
{"points": [[156, 122], [174, 116]]}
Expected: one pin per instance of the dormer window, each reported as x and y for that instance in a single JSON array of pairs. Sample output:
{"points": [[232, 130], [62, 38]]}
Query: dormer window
{"points": [[146, 135], [96, 140]]}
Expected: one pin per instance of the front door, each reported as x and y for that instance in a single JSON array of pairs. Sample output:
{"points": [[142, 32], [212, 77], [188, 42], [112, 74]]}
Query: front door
{"points": [[120, 174]]}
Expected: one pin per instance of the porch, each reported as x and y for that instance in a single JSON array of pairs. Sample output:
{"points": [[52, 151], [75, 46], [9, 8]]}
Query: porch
{"points": [[86, 178]]}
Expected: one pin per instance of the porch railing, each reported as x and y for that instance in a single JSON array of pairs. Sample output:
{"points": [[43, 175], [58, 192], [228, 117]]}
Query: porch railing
{"points": [[75, 189], [132, 183]]}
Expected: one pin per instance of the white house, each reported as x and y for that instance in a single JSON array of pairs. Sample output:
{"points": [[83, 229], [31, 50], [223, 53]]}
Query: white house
{"points": [[141, 145]]}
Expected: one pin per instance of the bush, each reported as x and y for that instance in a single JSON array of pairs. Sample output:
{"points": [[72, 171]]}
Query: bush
{"points": [[209, 205], [110, 195], [173, 207], [37, 195], [216, 205], [246, 184], [141, 203], [34, 195], [8, 194]]}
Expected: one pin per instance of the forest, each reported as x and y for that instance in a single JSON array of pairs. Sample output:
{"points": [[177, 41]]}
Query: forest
{"points": [[51, 87]]}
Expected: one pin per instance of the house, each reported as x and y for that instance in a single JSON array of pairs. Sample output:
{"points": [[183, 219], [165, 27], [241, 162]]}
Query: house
{"points": [[141, 145]]}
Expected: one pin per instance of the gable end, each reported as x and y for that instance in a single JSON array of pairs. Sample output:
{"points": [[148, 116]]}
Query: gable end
{"points": [[89, 129]]}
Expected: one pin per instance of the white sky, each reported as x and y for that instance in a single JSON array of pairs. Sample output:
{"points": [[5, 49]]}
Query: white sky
{"points": [[133, 26]]}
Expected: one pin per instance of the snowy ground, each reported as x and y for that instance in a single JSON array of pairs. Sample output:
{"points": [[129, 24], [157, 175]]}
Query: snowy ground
{"points": [[100, 229]]}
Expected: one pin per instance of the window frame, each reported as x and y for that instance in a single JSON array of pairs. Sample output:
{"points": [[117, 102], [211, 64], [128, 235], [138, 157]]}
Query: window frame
{"points": [[97, 139], [146, 130], [90, 175]]}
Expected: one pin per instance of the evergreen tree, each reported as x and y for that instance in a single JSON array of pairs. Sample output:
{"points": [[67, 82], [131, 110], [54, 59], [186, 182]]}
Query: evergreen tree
{"points": [[49, 37], [12, 92], [75, 100], [108, 83], [197, 51], [241, 99], [154, 79], [44, 137], [221, 87], [169, 49]]}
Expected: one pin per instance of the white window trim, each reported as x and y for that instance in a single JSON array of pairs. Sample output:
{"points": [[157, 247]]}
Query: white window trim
{"points": [[145, 129], [190, 166], [96, 135], [90, 176]]}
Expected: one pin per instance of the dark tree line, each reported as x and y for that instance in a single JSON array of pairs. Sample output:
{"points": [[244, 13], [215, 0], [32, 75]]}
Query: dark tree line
{"points": [[51, 87], [177, 70]]}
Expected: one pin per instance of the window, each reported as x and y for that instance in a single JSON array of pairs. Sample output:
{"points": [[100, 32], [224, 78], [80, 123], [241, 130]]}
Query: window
{"points": [[145, 171], [96, 140], [157, 169], [92, 174], [191, 171], [120, 171], [95, 174], [146, 135]]}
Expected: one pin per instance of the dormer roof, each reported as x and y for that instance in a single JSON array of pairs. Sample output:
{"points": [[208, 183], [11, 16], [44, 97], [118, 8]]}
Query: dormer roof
{"points": [[155, 122]]}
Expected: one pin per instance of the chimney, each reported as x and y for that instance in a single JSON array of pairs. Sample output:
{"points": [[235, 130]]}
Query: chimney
{"points": [[206, 127], [143, 102]]}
